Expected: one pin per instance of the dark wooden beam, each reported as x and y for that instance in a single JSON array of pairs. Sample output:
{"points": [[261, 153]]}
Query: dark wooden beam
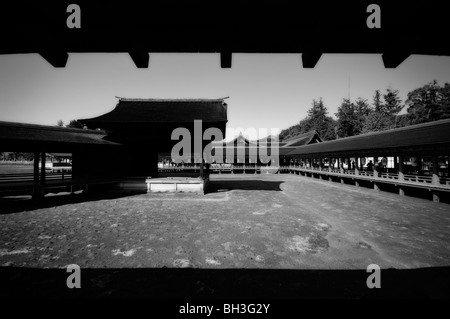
{"points": [[310, 59], [36, 167], [140, 58], [43, 168], [225, 60], [392, 60], [57, 59]]}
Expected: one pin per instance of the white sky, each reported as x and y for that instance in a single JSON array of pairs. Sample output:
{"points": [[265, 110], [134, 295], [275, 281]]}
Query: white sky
{"points": [[265, 90]]}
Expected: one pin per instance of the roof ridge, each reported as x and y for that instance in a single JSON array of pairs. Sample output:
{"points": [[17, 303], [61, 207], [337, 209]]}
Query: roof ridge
{"points": [[125, 99], [51, 128], [300, 135], [404, 128]]}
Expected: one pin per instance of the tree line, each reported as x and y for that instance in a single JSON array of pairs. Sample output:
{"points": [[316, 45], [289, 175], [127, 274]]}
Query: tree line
{"points": [[430, 102]]}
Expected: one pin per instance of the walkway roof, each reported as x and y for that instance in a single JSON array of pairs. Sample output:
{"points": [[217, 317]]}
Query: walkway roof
{"points": [[422, 137], [31, 137]]}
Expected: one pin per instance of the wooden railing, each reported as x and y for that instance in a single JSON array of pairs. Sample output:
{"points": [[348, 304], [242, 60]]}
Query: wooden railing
{"points": [[380, 176], [418, 179]]}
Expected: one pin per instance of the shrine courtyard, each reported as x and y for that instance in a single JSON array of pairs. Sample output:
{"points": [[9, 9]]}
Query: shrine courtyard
{"points": [[271, 222]]}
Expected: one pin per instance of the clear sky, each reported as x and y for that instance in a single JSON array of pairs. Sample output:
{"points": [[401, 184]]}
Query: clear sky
{"points": [[265, 90]]}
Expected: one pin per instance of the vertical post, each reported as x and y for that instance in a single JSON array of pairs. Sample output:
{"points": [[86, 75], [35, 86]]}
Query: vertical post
{"points": [[201, 169], [435, 179], [43, 168], [401, 176], [375, 166], [357, 167], [419, 165], [341, 165], [330, 162], [36, 191], [36, 167], [42, 189]]}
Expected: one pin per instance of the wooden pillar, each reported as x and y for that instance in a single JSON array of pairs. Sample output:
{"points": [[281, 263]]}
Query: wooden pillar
{"points": [[36, 167], [36, 189], [375, 167], [401, 176], [330, 160], [357, 167], [341, 165], [435, 180], [43, 168], [419, 165], [320, 163]]}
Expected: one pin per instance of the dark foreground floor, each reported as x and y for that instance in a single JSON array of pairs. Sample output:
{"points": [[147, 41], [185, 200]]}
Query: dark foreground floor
{"points": [[224, 283], [271, 236]]}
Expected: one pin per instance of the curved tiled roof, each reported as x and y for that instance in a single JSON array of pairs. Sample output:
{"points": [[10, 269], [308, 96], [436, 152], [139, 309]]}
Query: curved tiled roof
{"points": [[302, 139], [130, 110]]}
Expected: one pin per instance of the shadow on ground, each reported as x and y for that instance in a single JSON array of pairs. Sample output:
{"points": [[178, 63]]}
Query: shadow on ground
{"points": [[216, 186], [10, 205], [168, 283]]}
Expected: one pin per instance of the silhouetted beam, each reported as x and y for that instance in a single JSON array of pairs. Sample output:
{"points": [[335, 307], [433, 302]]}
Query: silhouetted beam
{"points": [[57, 59], [309, 59], [394, 59], [140, 58], [225, 60]]}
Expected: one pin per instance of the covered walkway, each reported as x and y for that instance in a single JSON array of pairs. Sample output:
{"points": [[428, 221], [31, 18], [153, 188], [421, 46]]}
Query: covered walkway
{"points": [[409, 158]]}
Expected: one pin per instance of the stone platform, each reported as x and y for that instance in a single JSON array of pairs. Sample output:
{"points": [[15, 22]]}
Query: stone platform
{"points": [[177, 184]]}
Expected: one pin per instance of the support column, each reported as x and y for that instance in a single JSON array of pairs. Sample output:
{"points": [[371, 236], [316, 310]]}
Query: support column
{"points": [[36, 190], [401, 176], [375, 167], [36, 167], [201, 169], [435, 180], [43, 168], [419, 165], [357, 166], [42, 182]]}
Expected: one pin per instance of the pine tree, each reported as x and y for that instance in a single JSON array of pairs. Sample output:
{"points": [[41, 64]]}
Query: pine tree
{"points": [[347, 119], [377, 104], [392, 103]]}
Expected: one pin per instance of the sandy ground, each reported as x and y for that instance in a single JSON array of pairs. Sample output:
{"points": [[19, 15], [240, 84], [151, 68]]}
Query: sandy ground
{"points": [[244, 222]]}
